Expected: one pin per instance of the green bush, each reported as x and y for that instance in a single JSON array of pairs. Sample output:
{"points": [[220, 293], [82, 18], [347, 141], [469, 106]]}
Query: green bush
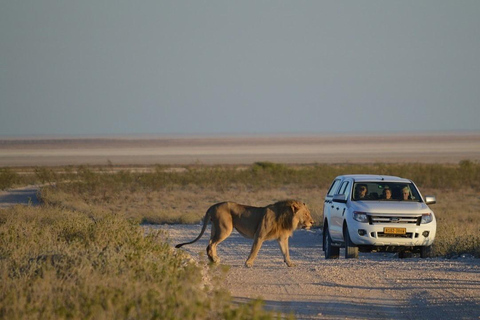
{"points": [[45, 175], [260, 175], [8, 178]]}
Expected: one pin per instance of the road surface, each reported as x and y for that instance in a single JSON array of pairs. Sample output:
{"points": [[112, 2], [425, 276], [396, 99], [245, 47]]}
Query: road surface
{"points": [[376, 286]]}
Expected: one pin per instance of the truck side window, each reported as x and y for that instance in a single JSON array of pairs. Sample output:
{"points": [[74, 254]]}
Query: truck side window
{"points": [[345, 188], [333, 188]]}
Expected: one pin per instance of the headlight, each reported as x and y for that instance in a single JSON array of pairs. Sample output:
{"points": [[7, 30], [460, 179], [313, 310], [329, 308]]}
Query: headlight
{"points": [[360, 216], [427, 218]]}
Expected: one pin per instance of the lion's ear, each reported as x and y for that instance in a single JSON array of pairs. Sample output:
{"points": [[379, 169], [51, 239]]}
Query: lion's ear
{"points": [[295, 207]]}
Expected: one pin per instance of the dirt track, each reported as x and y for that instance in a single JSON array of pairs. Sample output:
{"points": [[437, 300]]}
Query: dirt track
{"points": [[26, 195], [376, 286]]}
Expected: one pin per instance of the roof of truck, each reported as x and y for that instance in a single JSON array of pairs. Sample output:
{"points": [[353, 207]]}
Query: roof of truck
{"points": [[373, 177]]}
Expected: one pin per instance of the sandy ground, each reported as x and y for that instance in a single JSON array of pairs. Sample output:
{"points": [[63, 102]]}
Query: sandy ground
{"points": [[376, 286], [432, 148]]}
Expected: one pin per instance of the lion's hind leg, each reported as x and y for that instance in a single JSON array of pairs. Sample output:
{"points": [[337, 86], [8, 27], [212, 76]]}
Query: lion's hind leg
{"points": [[220, 231]]}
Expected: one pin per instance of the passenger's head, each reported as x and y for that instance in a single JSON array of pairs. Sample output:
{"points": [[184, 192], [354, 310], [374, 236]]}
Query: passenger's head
{"points": [[361, 190], [405, 193], [387, 193]]}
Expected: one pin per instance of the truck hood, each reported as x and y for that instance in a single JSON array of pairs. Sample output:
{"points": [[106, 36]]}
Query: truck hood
{"points": [[391, 207]]}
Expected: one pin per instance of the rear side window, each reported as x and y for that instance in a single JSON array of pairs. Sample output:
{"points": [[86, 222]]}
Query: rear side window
{"points": [[344, 188], [333, 188]]}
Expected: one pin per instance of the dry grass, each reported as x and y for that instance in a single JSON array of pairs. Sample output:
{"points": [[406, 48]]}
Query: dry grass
{"points": [[458, 222], [179, 204]]}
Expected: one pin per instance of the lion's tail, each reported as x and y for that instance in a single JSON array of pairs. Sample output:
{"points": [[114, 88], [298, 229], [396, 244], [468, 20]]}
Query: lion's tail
{"points": [[205, 223]]}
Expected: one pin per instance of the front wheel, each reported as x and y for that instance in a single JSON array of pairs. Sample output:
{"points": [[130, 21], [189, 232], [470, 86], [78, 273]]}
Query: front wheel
{"points": [[331, 252], [323, 238], [351, 250]]}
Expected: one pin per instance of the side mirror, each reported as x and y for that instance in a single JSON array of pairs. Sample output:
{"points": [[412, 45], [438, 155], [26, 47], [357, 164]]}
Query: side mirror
{"points": [[430, 200], [340, 198]]}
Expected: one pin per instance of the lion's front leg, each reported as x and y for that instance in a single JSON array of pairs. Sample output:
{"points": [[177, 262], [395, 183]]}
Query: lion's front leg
{"points": [[257, 244], [283, 242]]}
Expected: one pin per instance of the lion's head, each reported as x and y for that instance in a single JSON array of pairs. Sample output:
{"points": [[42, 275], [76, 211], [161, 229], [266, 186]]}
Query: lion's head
{"points": [[302, 213], [294, 215]]}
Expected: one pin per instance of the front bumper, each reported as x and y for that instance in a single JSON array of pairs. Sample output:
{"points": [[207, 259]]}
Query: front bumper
{"points": [[374, 235]]}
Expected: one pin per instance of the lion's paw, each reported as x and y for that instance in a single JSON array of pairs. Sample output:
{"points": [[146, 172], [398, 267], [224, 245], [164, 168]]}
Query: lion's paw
{"points": [[290, 264]]}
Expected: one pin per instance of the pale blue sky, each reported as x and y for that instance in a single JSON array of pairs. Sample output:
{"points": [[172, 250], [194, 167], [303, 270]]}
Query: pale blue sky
{"points": [[100, 67]]}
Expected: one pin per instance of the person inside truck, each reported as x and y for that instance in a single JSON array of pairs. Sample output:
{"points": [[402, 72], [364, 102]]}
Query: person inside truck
{"points": [[406, 193], [361, 192], [387, 193]]}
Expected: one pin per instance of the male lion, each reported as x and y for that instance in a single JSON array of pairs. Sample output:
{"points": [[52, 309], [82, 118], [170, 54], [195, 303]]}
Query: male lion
{"points": [[275, 221]]}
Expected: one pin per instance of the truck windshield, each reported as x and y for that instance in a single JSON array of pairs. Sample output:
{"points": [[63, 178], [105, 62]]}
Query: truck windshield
{"points": [[385, 191]]}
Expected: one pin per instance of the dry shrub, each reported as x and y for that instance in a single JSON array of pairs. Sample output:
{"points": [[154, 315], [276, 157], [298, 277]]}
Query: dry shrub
{"points": [[8, 178], [458, 222], [57, 264]]}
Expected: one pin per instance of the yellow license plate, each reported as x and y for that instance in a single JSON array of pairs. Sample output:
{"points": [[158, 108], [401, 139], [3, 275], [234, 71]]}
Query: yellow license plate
{"points": [[395, 230]]}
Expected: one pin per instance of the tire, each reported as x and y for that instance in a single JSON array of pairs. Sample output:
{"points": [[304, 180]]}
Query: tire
{"points": [[331, 252], [351, 250], [323, 237], [425, 252]]}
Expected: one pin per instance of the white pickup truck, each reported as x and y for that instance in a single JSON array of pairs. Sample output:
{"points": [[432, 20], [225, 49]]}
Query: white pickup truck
{"points": [[373, 212]]}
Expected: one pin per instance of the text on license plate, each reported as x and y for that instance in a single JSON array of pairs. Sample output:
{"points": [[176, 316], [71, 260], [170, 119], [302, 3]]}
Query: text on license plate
{"points": [[395, 230]]}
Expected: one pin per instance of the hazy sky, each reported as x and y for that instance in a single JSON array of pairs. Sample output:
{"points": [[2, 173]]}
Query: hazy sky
{"points": [[214, 67]]}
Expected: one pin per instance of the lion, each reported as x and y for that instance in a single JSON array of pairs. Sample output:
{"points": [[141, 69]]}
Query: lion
{"points": [[275, 221]]}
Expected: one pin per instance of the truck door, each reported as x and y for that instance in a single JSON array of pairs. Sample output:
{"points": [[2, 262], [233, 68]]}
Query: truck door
{"points": [[338, 213], [328, 203]]}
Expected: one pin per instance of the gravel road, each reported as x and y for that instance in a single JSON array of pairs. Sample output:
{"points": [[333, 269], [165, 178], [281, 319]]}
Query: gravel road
{"points": [[26, 196], [376, 286]]}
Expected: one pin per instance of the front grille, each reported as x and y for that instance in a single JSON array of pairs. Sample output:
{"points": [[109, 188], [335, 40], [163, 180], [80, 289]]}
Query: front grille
{"points": [[394, 219], [408, 235]]}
